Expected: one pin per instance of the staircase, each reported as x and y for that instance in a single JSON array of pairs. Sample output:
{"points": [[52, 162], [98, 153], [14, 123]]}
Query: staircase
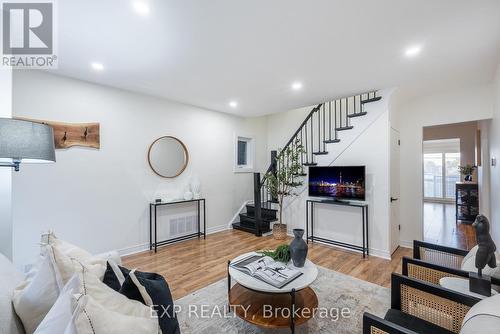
{"points": [[318, 130]]}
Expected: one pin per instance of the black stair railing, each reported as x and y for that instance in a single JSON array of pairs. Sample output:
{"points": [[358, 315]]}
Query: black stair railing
{"points": [[320, 127]]}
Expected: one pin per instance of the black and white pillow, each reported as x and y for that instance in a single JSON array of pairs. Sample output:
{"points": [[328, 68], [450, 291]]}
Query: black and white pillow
{"points": [[114, 276], [151, 289]]}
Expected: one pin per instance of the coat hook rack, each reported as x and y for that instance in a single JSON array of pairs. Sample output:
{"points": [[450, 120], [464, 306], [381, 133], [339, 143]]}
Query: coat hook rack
{"points": [[70, 134]]}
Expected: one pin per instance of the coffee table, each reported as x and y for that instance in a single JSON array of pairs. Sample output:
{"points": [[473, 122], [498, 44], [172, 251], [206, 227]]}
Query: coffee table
{"points": [[264, 305]]}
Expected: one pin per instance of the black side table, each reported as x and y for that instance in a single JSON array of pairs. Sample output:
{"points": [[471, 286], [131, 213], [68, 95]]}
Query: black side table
{"points": [[153, 213]]}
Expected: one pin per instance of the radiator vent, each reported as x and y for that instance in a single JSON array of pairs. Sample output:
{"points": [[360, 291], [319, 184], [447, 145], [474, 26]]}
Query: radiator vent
{"points": [[183, 225]]}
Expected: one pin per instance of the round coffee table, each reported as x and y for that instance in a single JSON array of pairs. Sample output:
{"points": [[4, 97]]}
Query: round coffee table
{"points": [[266, 306]]}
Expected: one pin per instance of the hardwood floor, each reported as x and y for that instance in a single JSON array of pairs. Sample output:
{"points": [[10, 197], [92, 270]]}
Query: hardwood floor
{"points": [[440, 227], [194, 264]]}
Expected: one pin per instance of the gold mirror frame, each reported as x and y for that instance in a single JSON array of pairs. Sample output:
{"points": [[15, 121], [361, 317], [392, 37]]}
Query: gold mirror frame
{"points": [[186, 154]]}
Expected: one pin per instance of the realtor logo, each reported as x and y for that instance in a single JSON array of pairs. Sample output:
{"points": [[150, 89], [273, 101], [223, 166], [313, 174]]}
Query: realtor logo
{"points": [[28, 34]]}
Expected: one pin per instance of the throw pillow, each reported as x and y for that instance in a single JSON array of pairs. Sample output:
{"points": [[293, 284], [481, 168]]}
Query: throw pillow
{"points": [[58, 320], [112, 300], [91, 318], [483, 318], [66, 254], [62, 317], [33, 299], [469, 264], [152, 290], [114, 276]]}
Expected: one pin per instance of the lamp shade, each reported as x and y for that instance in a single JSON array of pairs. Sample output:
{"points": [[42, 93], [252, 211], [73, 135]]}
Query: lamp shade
{"points": [[26, 142]]}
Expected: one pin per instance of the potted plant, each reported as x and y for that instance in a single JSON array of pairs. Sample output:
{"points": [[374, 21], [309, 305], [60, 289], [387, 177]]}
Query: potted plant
{"points": [[467, 171], [284, 180], [281, 253]]}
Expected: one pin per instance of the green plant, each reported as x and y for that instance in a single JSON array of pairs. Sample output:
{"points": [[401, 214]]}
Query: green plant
{"points": [[281, 253], [285, 179], [467, 169]]}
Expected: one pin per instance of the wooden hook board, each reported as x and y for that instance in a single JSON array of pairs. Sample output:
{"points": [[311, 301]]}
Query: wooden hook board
{"points": [[72, 134]]}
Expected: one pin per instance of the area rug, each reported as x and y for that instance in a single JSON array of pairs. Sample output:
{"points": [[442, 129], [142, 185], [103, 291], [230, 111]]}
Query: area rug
{"points": [[205, 311]]}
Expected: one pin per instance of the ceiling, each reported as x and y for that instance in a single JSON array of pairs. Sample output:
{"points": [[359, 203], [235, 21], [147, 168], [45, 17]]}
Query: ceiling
{"points": [[210, 52]]}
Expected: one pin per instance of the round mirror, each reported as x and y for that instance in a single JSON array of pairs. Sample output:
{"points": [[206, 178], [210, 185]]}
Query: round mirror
{"points": [[168, 156]]}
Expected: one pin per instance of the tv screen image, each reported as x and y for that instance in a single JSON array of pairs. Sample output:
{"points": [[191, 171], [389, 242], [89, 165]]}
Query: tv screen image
{"points": [[346, 182]]}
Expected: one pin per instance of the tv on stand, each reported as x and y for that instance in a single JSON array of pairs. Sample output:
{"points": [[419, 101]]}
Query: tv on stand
{"points": [[337, 183]]}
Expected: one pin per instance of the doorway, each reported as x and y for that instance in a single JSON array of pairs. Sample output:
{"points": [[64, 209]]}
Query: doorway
{"points": [[444, 149]]}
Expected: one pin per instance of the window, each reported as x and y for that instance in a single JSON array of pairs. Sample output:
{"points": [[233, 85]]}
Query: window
{"points": [[244, 154], [441, 161]]}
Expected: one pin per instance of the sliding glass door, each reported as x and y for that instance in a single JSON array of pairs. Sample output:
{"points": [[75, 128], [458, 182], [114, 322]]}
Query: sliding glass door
{"points": [[440, 173]]}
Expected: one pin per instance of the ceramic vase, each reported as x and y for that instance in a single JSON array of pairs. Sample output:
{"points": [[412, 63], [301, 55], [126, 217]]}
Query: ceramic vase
{"points": [[298, 248], [195, 187]]}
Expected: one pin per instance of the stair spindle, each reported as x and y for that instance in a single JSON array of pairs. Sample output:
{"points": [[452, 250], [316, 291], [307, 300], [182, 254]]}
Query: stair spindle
{"points": [[330, 120], [312, 139], [319, 129]]}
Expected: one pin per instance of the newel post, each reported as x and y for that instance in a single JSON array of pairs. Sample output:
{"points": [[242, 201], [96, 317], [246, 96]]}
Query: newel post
{"points": [[258, 203]]}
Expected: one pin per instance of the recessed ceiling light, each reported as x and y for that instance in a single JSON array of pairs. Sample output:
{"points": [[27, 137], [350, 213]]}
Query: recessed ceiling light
{"points": [[97, 66], [413, 51], [233, 104], [297, 85], [141, 7]]}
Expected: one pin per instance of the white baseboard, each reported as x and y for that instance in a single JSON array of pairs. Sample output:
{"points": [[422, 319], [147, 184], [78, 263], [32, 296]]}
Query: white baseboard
{"points": [[406, 243], [216, 229], [373, 251], [133, 249], [145, 247]]}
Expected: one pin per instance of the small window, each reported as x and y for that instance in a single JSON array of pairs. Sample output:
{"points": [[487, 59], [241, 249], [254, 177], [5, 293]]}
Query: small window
{"points": [[244, 154]]}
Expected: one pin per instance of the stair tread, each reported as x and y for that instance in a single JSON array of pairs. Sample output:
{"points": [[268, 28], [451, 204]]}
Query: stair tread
{"points": [[331, 141], [358, 114], [238, 226], [344, 128], [320, 153], [265, 219], [373, 99], [264, 205], [309, 163]]}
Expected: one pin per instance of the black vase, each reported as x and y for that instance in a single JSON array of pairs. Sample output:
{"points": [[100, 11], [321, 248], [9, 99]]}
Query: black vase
{"points": [[468, 178], [298, 248]]}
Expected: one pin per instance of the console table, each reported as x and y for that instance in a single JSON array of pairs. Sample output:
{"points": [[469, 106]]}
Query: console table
{"points": [[153, 218], [364, 223]]}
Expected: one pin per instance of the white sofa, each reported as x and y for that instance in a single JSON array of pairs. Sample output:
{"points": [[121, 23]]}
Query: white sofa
{"points": [[10, 278]]}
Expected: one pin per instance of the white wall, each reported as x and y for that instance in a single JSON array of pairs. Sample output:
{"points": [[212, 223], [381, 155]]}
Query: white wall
{"points": [[367, 144], [494, 142], [5, 173], [99, 198], [461, 105]]}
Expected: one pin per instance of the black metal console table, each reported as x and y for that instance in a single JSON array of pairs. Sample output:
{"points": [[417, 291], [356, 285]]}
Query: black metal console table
{"points": [[153, 208], [364, 211]]}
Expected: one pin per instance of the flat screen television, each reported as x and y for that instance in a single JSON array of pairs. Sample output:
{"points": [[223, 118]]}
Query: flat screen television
{"points": [[337, 182]]}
